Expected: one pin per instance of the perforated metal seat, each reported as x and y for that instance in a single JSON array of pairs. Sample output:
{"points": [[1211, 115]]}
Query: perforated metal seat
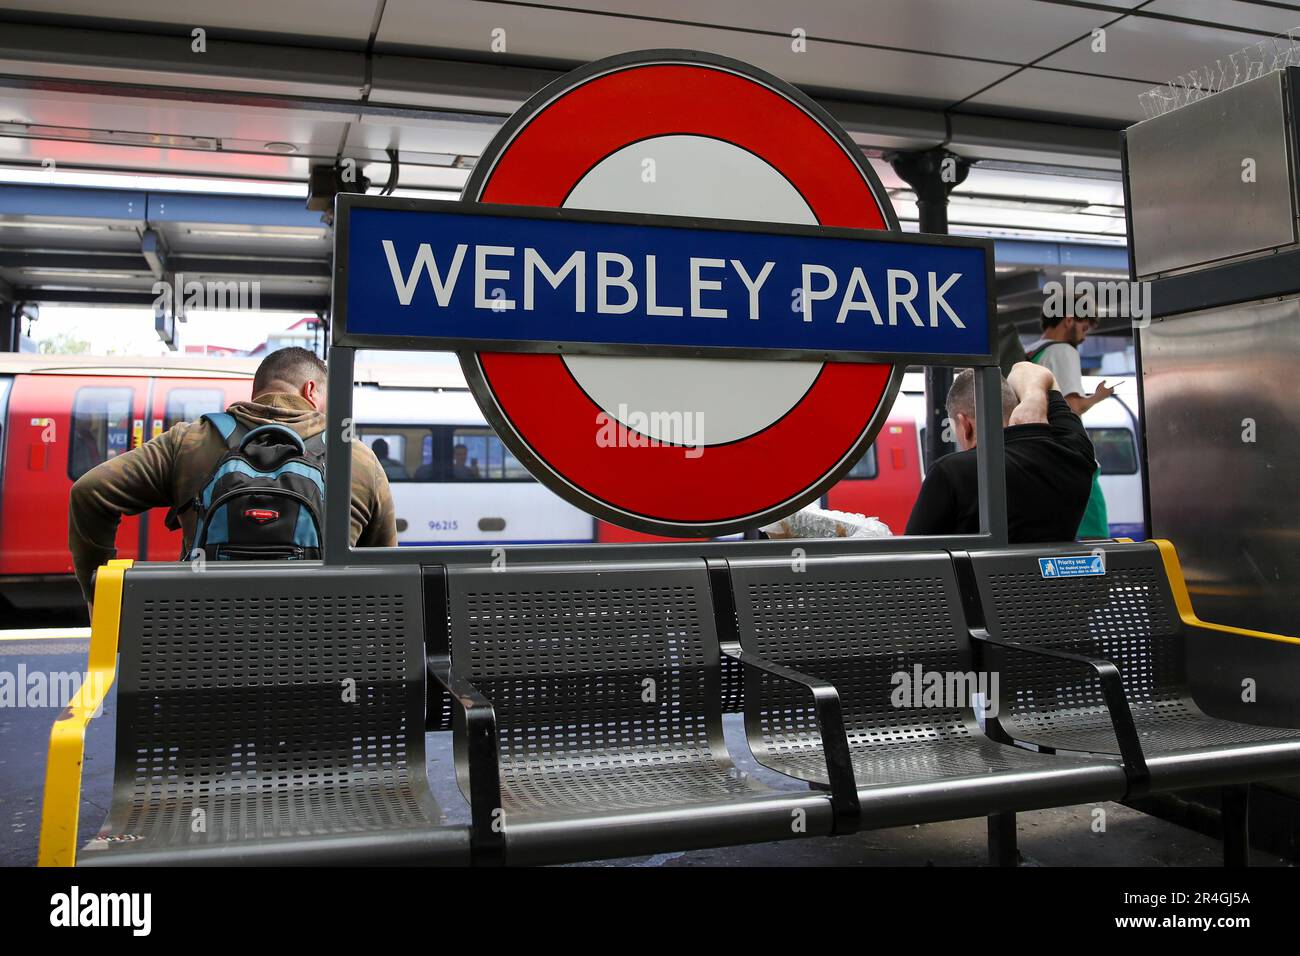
{"points": [[272, 714], [1127, 615], [604, 680], [859, 622]]}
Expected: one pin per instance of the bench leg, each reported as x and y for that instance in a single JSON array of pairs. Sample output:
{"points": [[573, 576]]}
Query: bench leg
{"points": [[1236, 826], [1002, 840]]}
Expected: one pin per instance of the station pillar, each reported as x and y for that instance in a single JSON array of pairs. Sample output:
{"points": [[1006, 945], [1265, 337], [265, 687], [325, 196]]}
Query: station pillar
{"points": [[11, 320], [933, 174], [8, 327]]}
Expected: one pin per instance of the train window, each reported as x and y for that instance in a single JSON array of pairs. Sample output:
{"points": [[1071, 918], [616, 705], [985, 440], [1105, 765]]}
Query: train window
{"points": [[389, 446], [187, 404], [865, 467], [1115, 450], [442, 453], [101, 427], [485, 458]]}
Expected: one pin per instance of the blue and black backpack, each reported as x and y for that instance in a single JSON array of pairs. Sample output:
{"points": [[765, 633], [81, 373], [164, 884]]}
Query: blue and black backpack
{"points": [[264, 499]]}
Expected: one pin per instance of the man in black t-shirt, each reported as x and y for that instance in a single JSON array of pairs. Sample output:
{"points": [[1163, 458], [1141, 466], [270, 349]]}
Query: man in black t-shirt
{"points": [[1049, 463]]}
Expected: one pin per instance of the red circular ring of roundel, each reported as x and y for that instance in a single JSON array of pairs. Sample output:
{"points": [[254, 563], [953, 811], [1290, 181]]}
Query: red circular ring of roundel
{"points": [[539, 157]]}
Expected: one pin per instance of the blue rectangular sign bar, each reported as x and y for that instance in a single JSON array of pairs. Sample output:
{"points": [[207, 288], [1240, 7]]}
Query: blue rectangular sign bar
{"points": [[471, 275], [1072, 566]]}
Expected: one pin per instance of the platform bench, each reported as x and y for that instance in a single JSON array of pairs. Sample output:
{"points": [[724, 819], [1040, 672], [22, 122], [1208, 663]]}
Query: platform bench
{"points": [[264, 716]]}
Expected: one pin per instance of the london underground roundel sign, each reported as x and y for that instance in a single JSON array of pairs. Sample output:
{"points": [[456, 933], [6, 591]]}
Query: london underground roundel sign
{"points": [[680, 445], [675, 289]]}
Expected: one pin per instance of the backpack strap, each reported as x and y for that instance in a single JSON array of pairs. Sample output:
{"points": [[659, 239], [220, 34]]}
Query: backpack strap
{"points": [[227, 426], [314, 447], [1039, 351], [231, 432]]}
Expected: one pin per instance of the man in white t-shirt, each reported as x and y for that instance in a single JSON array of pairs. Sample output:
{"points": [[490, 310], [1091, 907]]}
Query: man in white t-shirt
{"points": [[1058, 350]]}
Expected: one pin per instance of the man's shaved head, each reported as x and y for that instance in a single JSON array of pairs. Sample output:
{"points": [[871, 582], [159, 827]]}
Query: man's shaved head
{"points": [[288, 370], [961, 397]]}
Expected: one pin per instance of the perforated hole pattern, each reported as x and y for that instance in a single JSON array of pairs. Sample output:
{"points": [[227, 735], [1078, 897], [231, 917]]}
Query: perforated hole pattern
{"points": [[857, 624], [605, 686], [1124, 616], [249, 717]]}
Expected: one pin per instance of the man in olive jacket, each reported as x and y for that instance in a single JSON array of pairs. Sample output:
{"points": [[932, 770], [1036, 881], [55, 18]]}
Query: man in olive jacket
{"points": [[170, 470]]}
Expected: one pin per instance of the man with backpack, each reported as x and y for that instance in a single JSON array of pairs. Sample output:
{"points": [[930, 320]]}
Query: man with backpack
{"points": [[1058, 351], [245, 484]]}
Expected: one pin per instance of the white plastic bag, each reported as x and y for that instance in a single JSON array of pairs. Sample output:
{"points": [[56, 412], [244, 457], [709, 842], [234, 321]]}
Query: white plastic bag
{"points": [[814, 522]]}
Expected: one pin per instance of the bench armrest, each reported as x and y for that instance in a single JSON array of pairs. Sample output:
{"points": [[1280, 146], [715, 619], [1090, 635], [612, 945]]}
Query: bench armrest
{"points": [[830, 725], [1183, 603], [61, 809], [1112, 685], [475, 713]]}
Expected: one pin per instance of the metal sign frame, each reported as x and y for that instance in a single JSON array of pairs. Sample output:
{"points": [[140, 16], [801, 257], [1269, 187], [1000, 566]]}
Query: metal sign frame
{"points": [[989, 450]]}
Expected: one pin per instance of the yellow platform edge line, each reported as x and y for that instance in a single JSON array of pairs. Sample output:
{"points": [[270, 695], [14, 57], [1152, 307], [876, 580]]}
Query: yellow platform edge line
{"points": [[46, 634], [1183, 600], [62, 804]]}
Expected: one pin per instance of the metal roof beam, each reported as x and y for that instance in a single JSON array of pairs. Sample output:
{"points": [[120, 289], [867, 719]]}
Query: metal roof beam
{"points": [[72, 202], [271, 268], [37, 49], [154, 250], [88, 261], [1019, 284], [145, 262], [273, 302]]}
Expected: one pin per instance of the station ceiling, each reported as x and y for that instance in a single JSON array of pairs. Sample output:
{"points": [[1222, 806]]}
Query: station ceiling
{"points": [[285, 85]]}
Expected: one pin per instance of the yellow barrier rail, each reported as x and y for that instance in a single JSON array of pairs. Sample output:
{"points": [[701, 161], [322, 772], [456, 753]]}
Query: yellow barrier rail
{"points": [[1183, 600], [62, 806]]}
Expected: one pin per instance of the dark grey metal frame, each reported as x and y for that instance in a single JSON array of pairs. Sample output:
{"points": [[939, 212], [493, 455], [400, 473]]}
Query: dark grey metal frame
{"points": [[989, 451], [338, 499]]}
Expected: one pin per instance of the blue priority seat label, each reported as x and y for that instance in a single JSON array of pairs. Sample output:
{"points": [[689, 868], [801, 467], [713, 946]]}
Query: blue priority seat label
{"points": [[563, 277], [1072, 566]]}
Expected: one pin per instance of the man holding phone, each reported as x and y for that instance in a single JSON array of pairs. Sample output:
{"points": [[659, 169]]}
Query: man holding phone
{"points": [[1058, 350]]}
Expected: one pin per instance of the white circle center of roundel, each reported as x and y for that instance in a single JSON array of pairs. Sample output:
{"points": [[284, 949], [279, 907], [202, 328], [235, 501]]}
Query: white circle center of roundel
{"points": [[686, 401]]}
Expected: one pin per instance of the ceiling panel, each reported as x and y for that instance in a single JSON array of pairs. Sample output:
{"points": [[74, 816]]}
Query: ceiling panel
{"points": [[956, 28], [1151, 50], [1268, 18], [335, 20], [67, 156], [1097, 98], [130, 115], [553, 35]]}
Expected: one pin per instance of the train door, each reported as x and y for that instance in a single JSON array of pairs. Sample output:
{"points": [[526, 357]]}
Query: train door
{"points": [[59, 427], [177, 400], [885, 481]]}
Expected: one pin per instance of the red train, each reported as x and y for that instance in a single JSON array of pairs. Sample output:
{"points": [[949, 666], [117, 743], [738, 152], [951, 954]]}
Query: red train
{"points": [[62, 415]]}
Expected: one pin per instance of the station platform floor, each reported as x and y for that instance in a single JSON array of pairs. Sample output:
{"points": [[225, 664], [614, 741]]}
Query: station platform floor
{"points": [[1059, 837]]}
